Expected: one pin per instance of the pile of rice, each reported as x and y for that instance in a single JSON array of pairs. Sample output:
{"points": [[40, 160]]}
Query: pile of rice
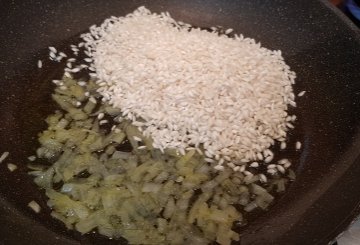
{"points": [[190, 88], [166, 89]]}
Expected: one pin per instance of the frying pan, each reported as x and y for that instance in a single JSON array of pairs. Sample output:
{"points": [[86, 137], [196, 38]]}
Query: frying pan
{"points": [[318, 43]]}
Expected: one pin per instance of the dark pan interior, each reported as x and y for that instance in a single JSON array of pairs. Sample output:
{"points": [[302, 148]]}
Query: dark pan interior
{"points": [[318, 44]]}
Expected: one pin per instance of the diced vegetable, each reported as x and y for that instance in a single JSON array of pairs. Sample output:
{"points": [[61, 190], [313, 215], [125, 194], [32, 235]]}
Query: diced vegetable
{"points": [[115, 182]]}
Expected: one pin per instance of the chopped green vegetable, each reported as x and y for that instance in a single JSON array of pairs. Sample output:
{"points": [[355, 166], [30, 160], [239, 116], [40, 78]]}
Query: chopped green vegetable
{"points": [[115, 182]]}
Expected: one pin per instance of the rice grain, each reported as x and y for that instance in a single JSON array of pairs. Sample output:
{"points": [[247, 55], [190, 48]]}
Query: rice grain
{"points": [[4, 156], [34, 206]]}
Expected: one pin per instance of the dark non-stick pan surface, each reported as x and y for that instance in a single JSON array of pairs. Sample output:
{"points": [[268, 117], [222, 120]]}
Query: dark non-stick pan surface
{"points": [[319, 44]]}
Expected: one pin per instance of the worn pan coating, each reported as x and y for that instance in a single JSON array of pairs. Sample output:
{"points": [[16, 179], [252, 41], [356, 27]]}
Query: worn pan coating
{"points": [[320, 45]]}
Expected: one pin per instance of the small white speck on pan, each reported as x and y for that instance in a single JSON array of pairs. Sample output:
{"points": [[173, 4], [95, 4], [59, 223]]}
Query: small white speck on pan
{"points": [[32, 158], [53, 49], [4, 156], [39, 64], [301, 93], [228, 31], [263, 178], [102, 122], [75, 70], [292, 103], [298, 145], [100, 115], [11, 167], [62, 54], [34, 206]]}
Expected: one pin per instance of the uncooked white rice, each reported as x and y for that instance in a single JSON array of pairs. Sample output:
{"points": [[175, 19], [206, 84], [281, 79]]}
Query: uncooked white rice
{"points": [[280, 168], [269, 159], [137, 138], [67, 74], [59, 58], [287, 165], [75, 70], [52, 49], [248, 173], [52, 55], [102, 122], [34, 206], [219, 167], [301, 93], [283, 161], [272, 171], [82, 83], [12, 167], [39, 64], [32, 158], [228, 96], [62, 54], [4, 156], [100, 115], [228, 31], [93, 100]]}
